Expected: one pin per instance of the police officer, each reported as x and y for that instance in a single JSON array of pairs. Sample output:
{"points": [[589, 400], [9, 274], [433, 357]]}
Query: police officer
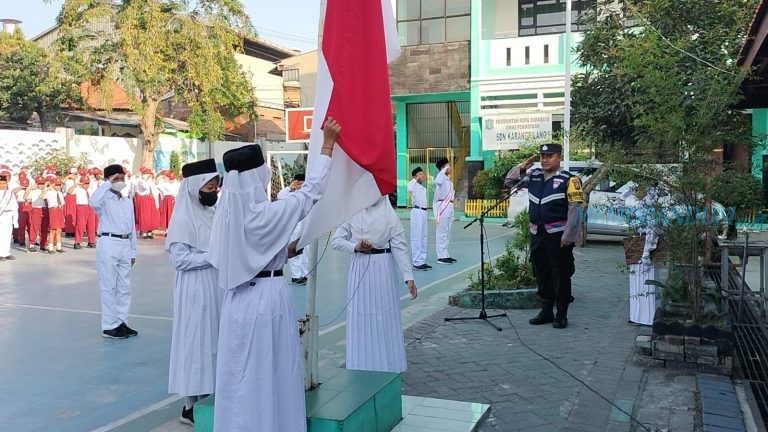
{"points": [[555, 196]]}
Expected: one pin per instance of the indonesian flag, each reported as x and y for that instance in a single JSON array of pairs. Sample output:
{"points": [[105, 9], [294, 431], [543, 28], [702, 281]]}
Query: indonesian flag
{"points": [[358, 39]]}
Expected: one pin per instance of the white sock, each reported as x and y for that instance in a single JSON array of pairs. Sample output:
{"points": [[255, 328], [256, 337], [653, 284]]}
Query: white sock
{"points": [[58, 246], [189, 401]]}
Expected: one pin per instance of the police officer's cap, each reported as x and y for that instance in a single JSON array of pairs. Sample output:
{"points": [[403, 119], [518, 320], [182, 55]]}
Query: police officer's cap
{"points": [[550, 148]]}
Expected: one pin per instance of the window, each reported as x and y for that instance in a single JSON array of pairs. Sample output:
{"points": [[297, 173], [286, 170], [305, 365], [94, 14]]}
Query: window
{"points": [[546, 53], [548, 16], [509, 56], [527, 55], [432, 21]]}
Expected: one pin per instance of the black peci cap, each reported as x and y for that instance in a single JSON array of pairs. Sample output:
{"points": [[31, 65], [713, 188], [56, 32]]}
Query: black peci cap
{"points": [[113, 169], [441, 163], [299, 177], [416, 171], [244, 158], [206, 166]]}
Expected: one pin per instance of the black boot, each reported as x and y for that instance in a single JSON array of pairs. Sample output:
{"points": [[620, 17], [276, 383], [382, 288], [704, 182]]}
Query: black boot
{"points": [[545, 316], [561, 319]]}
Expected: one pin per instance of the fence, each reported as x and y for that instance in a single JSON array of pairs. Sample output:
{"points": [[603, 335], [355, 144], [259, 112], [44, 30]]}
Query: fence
{"points": [[17, 148], [474, 207]]}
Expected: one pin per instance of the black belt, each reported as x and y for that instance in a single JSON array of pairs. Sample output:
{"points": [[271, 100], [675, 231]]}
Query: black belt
{"points": [[376, 251], [444, 200], [267, 274], [120, 236], [420, 208]]}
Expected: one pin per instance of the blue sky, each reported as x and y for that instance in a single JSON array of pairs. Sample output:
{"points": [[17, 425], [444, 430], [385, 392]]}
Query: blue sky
{"points": [[291, 23]]}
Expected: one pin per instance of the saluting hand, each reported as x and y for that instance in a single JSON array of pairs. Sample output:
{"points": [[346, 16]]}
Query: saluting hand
{"points": [[524, 165]]}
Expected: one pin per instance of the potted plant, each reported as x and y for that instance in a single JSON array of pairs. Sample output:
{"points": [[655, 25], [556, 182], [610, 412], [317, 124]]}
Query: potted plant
{"points": [[509, 280]]}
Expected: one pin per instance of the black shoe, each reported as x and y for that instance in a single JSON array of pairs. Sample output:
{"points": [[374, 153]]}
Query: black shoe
{"points": [[302, 281], [51, 251], [115, 333], [560, 323], [421, 267], [428, 266], [544, 317], [77, 246], [453, 260], [10, 258], [60, 250], [444, 261], [22, 245], [187, 416], [91, 245], [127, 330], [295, 280]]}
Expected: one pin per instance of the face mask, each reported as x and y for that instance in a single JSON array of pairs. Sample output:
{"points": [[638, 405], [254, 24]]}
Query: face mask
{"points": [[208, 199], [118, 187]]}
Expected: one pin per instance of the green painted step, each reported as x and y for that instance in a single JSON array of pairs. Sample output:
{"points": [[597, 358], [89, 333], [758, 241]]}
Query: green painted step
{"points": [[349, 400]]}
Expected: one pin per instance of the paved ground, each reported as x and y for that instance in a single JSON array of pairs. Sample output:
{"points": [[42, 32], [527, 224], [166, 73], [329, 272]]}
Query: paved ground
{"points": [[58, 374]]}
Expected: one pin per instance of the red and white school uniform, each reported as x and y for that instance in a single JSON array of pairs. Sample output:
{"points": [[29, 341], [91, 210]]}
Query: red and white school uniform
{"points": [[147, 207], [55, 202], [85, 220], [70, 207]]}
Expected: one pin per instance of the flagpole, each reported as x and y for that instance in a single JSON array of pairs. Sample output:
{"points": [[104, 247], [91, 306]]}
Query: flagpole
{"points": [[567, 111], [312, 348]]}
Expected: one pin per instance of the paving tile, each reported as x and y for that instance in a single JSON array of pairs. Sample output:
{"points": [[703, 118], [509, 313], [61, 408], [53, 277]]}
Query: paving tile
{"points": [[720, 421]]}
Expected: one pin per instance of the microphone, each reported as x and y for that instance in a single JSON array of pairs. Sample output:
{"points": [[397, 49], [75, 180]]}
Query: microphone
{"points": [[518, 184]]}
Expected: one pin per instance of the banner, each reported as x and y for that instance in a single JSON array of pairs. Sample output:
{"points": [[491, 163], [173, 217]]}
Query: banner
{"points": [[511, 131]]}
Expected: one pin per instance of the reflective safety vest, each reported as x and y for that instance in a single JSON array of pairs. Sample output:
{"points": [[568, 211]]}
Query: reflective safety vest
{"points": [[548, 205]]}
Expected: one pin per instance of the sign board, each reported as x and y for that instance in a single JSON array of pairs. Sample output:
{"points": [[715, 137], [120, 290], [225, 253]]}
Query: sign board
{"points": [[298, 124], [511, 131]]}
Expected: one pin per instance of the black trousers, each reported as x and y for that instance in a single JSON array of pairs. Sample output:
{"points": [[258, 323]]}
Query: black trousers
{"points": [[553, 267]]}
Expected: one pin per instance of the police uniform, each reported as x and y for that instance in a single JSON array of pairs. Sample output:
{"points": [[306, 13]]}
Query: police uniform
{"points": [[553, 208]]}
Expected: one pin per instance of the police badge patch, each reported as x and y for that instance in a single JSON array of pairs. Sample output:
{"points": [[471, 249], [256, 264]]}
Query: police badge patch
{"points": [[556, 183]]}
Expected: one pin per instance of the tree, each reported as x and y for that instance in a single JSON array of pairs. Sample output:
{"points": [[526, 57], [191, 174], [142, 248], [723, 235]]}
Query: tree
{"points": [[61, 161], [665, 91], [157, 49], [174, 165], [30, 81]]}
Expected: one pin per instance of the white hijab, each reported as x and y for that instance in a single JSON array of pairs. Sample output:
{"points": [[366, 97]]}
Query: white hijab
{"points": [[191, 221], [248, 230], [377, 223]]}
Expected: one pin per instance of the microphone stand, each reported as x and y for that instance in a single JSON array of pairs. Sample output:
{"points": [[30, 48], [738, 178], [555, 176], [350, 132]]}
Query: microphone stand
{"points": [[483, 313]]}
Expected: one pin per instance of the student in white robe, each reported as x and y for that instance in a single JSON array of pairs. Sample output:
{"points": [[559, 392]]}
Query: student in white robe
{"points": [[418, 194], [259, 374], [196, 295], [299, 264], [9, 213], [376, 241], [442, 207], [115, 252]]}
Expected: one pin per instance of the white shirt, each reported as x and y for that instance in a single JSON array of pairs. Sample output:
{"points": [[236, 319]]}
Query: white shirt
{"points": [[36, 198], [55, 199], [81, 196], [115, 213], [418, 194], [20, 195], [443, 187]]}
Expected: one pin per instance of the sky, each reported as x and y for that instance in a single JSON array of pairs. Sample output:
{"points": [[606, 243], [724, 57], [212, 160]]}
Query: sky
{"points": [[290, 23]]}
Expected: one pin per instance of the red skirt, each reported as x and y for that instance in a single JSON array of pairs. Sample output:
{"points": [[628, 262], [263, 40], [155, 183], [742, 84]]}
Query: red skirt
{"points": [[147, 214], [166, 210], [70, 213], [55, 218]]}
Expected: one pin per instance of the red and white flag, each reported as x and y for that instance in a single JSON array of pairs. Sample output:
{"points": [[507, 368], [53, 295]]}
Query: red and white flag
{"points": [[358, 39]]}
